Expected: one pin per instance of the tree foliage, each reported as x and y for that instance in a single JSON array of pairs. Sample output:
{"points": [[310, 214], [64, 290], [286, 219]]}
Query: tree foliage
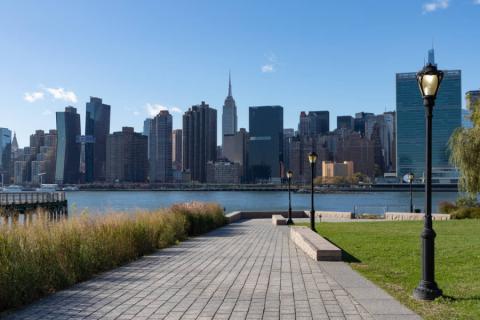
{"points": [[465, 152]]}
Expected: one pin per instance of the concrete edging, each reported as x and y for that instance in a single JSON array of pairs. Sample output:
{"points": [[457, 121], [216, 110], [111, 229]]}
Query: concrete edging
{"points": [[406, 216], [314, 245], [278, 220]]}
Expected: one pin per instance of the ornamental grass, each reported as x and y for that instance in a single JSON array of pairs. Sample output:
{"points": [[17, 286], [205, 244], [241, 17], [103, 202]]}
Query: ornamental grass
{"points": [[44, 257]]}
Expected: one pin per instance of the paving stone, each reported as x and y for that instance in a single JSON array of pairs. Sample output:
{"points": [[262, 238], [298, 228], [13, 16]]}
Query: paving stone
{"points": [[246, 270]]}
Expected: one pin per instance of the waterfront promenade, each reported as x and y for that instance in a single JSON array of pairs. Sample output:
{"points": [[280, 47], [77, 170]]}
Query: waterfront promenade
{"points": [[245, 270]]}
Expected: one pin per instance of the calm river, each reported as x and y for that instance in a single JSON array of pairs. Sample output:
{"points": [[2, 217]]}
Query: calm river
{"points": [[98, 202]]}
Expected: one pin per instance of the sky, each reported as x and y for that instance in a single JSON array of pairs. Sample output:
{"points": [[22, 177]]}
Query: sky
{"points": [[143, 56]]}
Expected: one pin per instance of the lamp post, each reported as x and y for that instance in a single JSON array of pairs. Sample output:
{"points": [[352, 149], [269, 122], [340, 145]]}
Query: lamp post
{"points": [[312, 158], [289, 177], [429, 80], [410, 177]]}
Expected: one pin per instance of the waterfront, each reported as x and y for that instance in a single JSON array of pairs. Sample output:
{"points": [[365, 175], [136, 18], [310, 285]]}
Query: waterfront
{"points": [[97, 202]]}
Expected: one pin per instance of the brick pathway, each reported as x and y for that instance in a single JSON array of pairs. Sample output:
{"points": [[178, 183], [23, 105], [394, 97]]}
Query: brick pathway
{"points": [[247, 270]]}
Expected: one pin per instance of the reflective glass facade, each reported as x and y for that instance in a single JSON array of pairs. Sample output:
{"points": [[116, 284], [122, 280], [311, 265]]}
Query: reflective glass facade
{"points": [[265, 152], [68, 149], [411, 122]]}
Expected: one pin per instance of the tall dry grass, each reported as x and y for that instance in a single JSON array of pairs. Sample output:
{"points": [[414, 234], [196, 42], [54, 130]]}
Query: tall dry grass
{"points": [[47, 256]]}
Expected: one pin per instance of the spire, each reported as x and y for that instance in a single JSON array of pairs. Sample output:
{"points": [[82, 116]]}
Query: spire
{"points": [[229, 84], [14, 142]]}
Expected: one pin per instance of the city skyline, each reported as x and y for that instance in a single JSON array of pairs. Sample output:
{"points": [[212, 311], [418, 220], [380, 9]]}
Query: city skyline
{"points": [[161, 65]]}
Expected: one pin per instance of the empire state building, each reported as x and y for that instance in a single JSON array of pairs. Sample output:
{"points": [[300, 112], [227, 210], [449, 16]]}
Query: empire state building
{"points": [[229, 115]]}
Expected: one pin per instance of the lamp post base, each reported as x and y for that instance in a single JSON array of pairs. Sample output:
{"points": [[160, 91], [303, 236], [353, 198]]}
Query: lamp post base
{"points": [[290, 221], [427, 291]]}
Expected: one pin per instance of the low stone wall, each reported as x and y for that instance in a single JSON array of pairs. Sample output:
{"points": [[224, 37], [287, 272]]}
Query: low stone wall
{"points": [[314, 245], [405, 216], [278, 220], [238, 215], [332, 215]]}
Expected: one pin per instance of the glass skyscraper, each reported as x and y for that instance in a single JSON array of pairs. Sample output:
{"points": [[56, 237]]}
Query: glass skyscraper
{"points": [[67, 167], [5, 152], [97, 129], [265, 153], [411, 122]]}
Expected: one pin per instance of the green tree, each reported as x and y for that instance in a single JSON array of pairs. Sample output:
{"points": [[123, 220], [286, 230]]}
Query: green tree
{"points": [[464, 147]]}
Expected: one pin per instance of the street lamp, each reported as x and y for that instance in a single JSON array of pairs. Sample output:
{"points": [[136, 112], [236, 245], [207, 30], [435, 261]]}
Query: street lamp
{"points": [[312, 158], [429, 80], [411, 177], [289, 177]]}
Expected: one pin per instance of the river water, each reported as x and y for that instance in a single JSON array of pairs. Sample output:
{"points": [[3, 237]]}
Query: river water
{"points": [[98, 202]]}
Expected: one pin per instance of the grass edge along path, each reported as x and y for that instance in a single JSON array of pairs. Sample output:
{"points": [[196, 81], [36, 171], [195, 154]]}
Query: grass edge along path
{"points": [[388, 254], [46, 257]]}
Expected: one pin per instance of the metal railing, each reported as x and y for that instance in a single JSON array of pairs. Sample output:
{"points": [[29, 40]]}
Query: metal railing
{"points": [[9, 198]]}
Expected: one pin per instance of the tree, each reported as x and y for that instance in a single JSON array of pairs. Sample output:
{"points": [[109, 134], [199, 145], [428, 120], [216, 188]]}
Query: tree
{"points": [[464, 145]]}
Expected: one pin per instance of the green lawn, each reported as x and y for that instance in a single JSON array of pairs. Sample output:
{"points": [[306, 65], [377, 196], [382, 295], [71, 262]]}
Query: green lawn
{"points": [[388, 253]]}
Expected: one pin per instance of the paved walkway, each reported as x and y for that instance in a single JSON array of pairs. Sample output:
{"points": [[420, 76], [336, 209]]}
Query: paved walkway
{"points": [[246, 270]]}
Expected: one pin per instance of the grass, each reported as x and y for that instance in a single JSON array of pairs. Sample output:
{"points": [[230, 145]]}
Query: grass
{"points": [[388, 253], [45, 257]]}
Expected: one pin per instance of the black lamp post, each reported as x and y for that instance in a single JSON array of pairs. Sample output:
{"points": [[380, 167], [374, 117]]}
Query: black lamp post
{"points": [[289, 177], [429, 80], [312, 158], [410, 177]]}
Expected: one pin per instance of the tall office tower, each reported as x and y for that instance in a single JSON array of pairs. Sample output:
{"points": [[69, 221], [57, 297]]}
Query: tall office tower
{"points": [[199, 140], [160, 143], [386, 126], [345, 122], [265, 154], [177, 149], [127, 156], [5, 153], [314, 123], [360, 121], [354, 147], [229, 114], [235, 149], [37, 140], [411, 122], [288, 134], [67, 169], [147, 124], [300, 147], [97, 128]]}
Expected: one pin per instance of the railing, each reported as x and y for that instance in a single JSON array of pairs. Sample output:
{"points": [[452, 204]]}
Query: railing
{"points": [[9, 198]]}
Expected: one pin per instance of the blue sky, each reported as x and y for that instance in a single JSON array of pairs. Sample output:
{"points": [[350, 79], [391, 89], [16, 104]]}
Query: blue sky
{"points": [[140, 56]]}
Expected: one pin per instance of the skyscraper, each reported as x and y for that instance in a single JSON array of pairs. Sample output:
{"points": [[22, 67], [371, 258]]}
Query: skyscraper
{"points": [[235, 149], [472, 98], [68, 149], [97, 126], [199, 140], [160, 141], [5, 153], [265, 154], [147, 124], [314, 123], [345, 122], [127, 156], [229, 114], [177, 149], [411, 122]]}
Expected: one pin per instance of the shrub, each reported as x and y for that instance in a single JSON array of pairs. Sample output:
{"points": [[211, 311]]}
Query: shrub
{"points": [[466, 201], [44, 257], [466, 213], [447, 207]]}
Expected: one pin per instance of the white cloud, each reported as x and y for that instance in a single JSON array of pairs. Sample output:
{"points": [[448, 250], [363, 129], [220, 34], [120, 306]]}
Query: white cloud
{"points": [[271, 65], [136, 113], [33, 96], [47, 112], [62, 94], [154, 108], [476, 1], [436, 5], [268, 68], [175, 109]]}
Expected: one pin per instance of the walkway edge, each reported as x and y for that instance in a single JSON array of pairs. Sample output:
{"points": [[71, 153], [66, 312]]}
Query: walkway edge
{"points": [[374, 299]]}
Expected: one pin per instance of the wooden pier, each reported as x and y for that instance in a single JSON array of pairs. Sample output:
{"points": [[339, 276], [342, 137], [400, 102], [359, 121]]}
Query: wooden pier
{"points": [[26, 205]]}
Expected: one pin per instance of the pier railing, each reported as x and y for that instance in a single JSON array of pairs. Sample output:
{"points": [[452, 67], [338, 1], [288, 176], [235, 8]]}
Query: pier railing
{"points": [[23, 206], [9, 198]]}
